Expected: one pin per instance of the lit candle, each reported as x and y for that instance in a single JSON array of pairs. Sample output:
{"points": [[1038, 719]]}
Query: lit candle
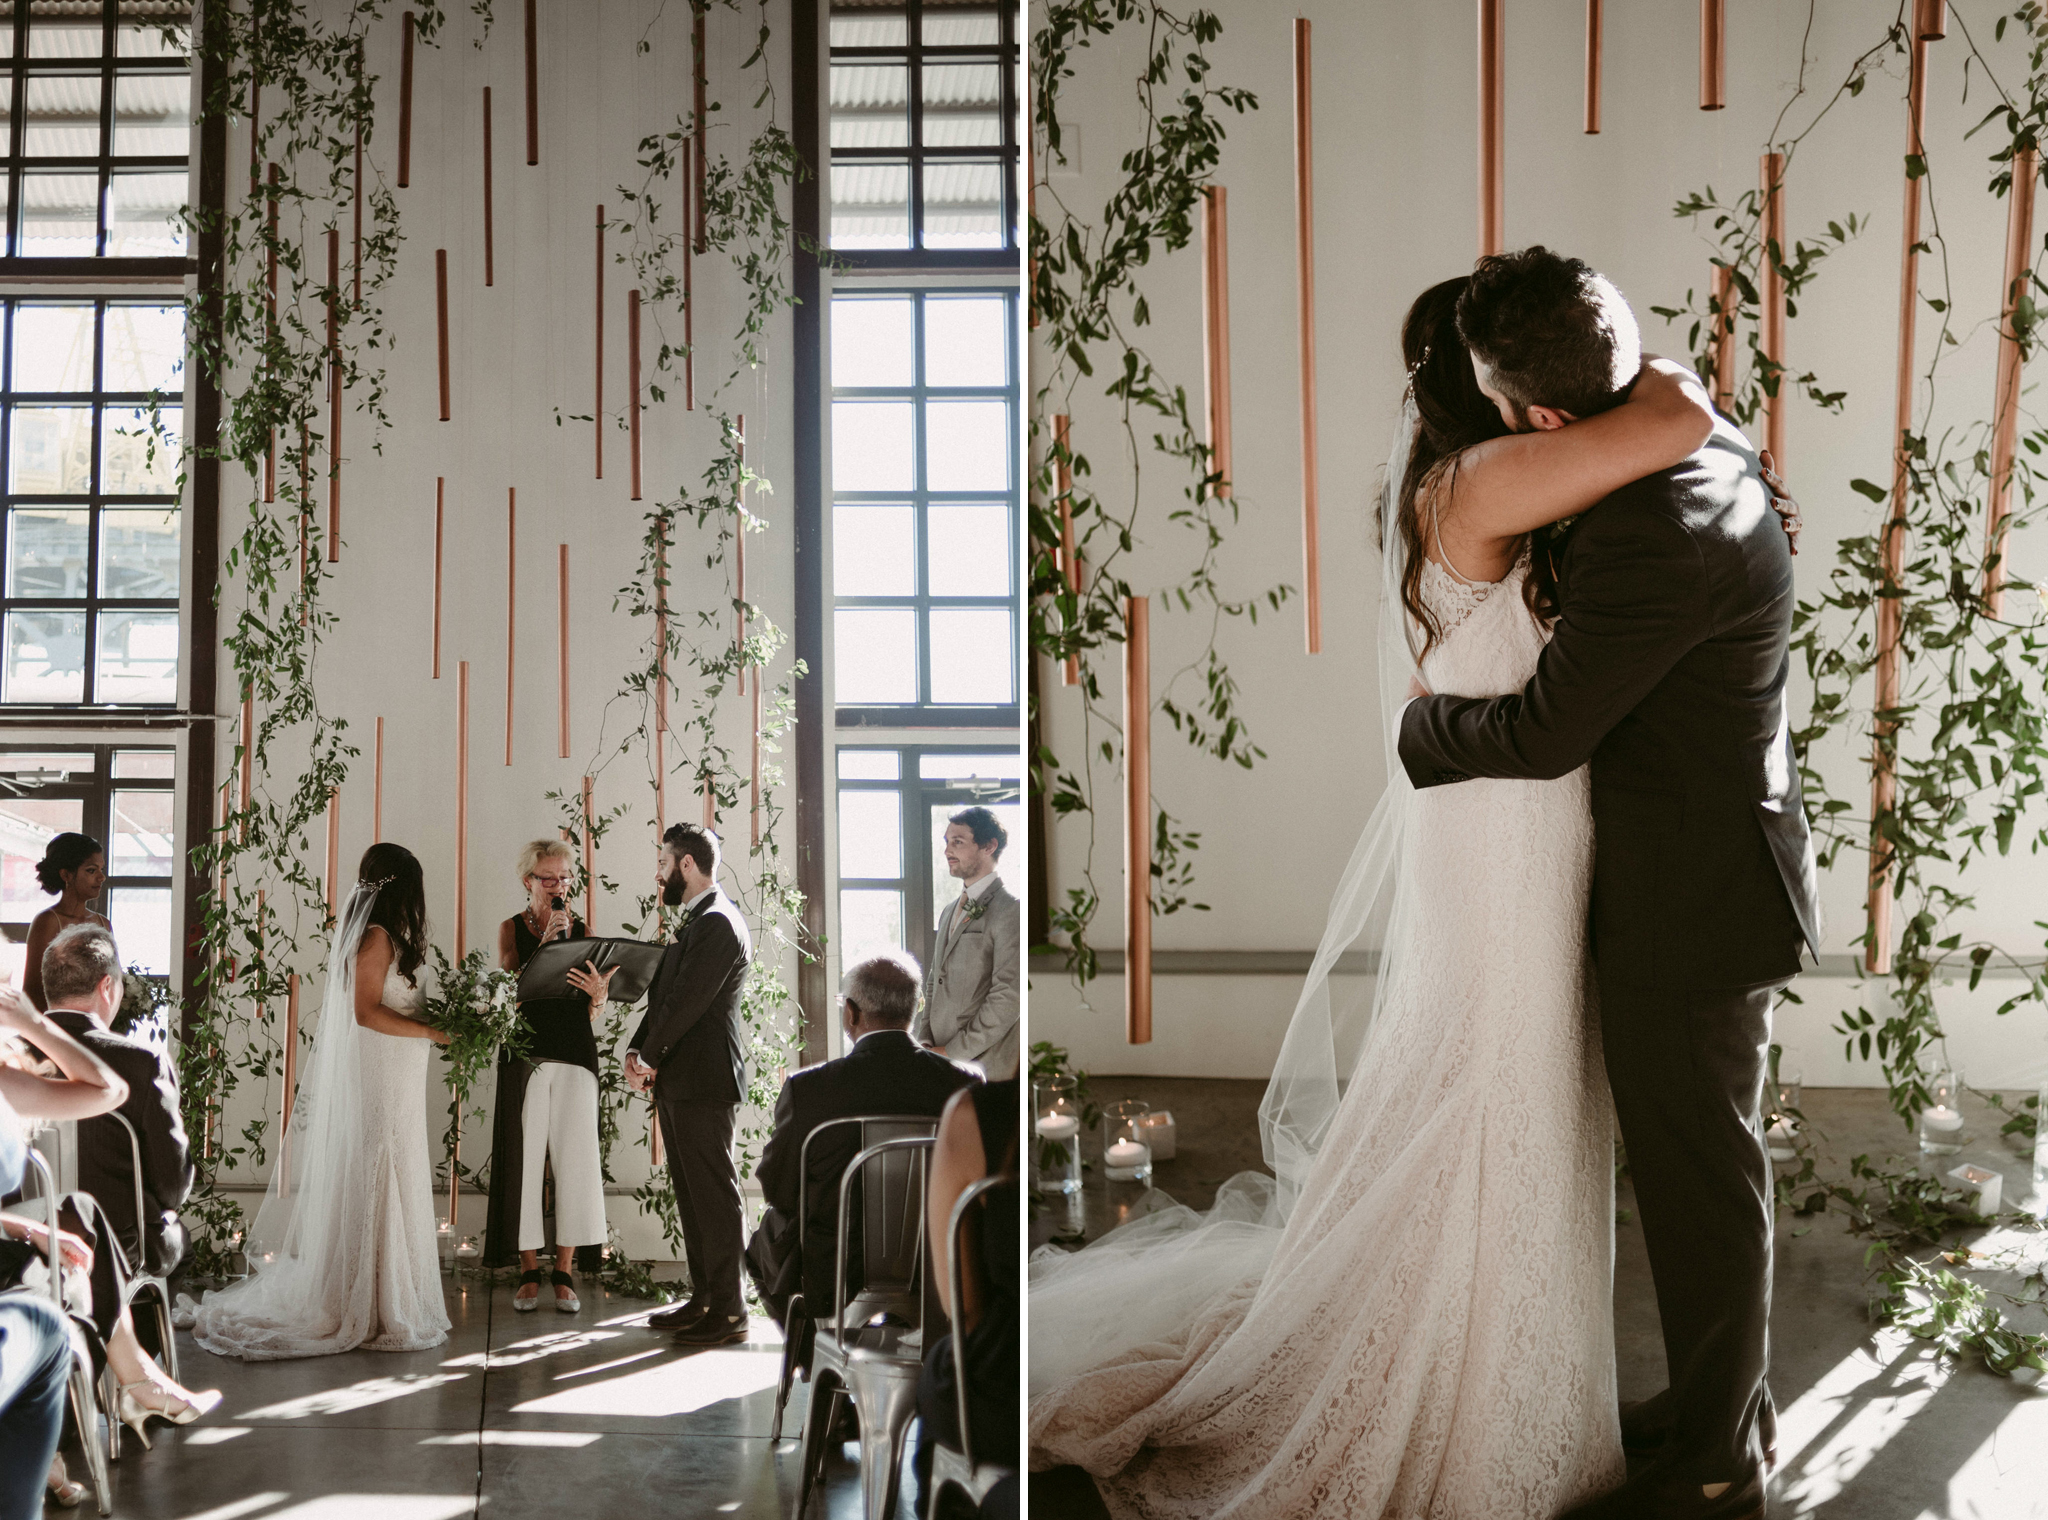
{"points": [[1942, 1117], [1127, 1153], [1058, 1127]]}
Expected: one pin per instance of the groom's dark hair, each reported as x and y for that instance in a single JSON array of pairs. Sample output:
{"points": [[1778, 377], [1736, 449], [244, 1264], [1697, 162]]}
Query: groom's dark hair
{"points": [[1551, 331]]}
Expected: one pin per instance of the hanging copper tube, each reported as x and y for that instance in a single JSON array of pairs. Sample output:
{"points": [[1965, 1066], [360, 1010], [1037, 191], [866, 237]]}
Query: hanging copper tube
{"points": [[356, 184], [490, 263], [455, 1178], [306, 573], [689, 294], [589, 873], [406, 31], [710, 804], [440, 500], [1070, 564], [270, 319], [441, 321], [1305, 294], [661, 626], [1492, 123], [1930, 20], [653, 1135], [754, 786], [1877, 948], [334, 383], [1216, 331], [2005, 413], [1773, 321], [698, 113], [377, 789], [532, 85], [1724, 339], [255, 137], [562, 578], [1713, 55], [461, 808], [291, 1083], [248, 752], [1137, 822], [511, 605], [739, 510], [633, 385], [333, 849], [1593, 42], [597, 392]]}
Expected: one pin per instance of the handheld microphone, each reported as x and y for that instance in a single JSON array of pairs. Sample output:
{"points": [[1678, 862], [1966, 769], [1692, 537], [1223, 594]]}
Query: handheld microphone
{"points": [[558, 905]]}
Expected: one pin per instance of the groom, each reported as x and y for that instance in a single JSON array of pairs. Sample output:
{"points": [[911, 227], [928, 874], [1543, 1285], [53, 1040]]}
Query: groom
{"points": [[691, 1050], [1667, 672]]}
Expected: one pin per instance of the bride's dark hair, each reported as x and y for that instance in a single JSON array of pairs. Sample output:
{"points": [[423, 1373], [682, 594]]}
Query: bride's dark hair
{"points": [[401, 906], [1452, 414]]}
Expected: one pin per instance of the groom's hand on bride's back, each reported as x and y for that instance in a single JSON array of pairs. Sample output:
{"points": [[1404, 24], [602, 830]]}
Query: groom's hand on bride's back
{"points": [[1781, 498]]}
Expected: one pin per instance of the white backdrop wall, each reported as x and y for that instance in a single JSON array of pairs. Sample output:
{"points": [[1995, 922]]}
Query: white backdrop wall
{"points": [[1396, 210]]}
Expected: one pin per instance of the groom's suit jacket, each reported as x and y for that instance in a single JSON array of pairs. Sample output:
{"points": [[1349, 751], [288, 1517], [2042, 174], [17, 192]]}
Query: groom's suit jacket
{"points": [[691, 1034], [971, 1002], [1667, 671]]}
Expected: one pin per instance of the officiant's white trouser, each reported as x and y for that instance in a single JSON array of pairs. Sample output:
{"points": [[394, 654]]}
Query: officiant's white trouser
{"points": [[560, 1118]]}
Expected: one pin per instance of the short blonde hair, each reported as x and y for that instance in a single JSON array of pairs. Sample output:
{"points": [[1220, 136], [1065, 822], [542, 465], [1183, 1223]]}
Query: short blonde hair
{"points": [[531, 855]]}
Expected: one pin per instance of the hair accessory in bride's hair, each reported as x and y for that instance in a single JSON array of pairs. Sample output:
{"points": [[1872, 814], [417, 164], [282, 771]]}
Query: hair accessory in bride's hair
{"points": [[1417, 365]]}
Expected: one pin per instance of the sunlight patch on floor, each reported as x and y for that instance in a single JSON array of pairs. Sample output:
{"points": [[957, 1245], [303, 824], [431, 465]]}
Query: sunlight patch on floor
{"points": [[575, 1372], [1831, 1432], [240, 1507], [383, 1506], [516, 1438], [213, 1435], [356, 1396], [533, 1350], [679, 1387]]}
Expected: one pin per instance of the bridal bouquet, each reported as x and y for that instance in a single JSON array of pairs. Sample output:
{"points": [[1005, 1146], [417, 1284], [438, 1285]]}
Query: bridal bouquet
{"points": [[477, 1003]]}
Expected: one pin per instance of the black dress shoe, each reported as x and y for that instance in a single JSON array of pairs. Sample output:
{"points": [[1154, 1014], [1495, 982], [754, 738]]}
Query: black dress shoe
{"points": [[1660, 1494], [681, 1317], [714, 1330], [1646, 1426]]}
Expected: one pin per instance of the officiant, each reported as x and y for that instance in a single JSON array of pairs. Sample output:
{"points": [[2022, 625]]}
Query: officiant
{"points": [[546, 1120]]}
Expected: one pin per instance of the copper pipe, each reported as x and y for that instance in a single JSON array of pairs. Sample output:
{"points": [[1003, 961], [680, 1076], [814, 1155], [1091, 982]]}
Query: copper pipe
{"points": [[754, 789], [661, 626], [335, 379], [1216, 331], [441, 320], [1305, 288], [1492, 122], [1877, 948], [1930, 20], [1137, 822], [377, 789], [653, 1135], [333, 848], [689, 293], [248, 753], [597, 402], [440, 518], [405, 101], [291, 1083], [589, 873], [532, 85], [490, 264], [1593, 30], [633, 385], [1713, 55], [306, 572], [270, 319], [739, 676], [511, 605], [461, 807], [1723, 348], [455, 1178], [255, 136], [1070, 565], [710, 803], [563, 579], [356, 184], [1773, 320], [698, 111], [2005, 412]]}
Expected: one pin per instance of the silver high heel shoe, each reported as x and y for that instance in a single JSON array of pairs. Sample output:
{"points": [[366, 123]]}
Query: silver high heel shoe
{"points": [[570, 1304], [135, 1414]]}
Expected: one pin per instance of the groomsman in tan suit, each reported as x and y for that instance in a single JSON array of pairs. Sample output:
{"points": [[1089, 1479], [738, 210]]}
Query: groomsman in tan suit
{"points": [[972, 1003]]}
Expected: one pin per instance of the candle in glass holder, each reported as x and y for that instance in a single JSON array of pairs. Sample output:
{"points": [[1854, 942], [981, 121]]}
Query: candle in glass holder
{"points": [[1941, 1122], [1125, 1155], [1058, 1127], [1783, 1135]]}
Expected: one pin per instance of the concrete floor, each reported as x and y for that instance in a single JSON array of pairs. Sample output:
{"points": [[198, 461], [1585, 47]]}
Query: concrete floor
{"points": [[517, 1415], [1872, 1425]]}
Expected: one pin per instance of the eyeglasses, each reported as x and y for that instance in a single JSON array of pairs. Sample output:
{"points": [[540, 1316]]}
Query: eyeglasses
{"points": [[549, 881]]}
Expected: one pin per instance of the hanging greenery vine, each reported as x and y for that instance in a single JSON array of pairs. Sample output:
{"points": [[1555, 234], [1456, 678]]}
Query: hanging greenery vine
{"points": [[1086, 301]]}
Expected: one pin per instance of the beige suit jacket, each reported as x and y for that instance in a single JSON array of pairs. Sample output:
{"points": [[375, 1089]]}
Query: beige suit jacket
{"points": [[973, 1002]]}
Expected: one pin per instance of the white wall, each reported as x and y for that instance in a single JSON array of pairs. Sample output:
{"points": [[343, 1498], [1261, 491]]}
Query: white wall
{"points": [[1396, 210]]}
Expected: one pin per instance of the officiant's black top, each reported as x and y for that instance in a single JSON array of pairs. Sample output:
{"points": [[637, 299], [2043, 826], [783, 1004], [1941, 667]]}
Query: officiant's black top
{"points": [[560, 1029]]}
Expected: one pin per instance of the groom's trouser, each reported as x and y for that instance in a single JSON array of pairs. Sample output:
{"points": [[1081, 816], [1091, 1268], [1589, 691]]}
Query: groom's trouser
{"points": [[1687, 1070], [707, 1183]]}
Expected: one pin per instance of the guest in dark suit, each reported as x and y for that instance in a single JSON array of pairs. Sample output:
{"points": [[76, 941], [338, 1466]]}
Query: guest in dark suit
{"points": [[690, 1051], [884, 1071]]}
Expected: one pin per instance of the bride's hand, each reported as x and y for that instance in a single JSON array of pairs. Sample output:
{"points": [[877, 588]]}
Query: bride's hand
{"points": [[438, 1036]]}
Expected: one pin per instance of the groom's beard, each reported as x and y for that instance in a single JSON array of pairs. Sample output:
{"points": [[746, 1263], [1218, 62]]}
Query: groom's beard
{"points": [[672, 891]]}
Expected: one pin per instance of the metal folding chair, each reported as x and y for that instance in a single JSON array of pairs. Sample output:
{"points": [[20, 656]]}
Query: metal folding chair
{"points": [[140, 1284], [873, 1128], [85, 1409], [955, 1467], [874, 1364]]}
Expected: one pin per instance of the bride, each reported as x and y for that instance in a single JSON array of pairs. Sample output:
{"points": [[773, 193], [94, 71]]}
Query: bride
{"points": [[343, 1251], [1413, 1317]]}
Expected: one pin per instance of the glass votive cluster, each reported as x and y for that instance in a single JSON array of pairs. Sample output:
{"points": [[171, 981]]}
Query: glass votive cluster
{"points": [[1056, 1121], [1941, 1122], [1126, 1151]]}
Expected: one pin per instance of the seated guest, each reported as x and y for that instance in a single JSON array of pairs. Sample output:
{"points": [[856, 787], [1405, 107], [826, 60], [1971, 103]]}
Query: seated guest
{"points": [[977, 1138], [547, 1102], [884, 1071], [74, 868], [971, 999]]}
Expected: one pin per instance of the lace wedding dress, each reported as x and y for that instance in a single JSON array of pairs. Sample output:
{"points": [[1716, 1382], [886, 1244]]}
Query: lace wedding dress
{"points": [[1433, 1333], [343, 1253]]}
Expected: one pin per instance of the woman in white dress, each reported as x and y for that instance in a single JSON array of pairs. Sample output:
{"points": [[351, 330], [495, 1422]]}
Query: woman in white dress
{"points": [[1416, 1321], [343, 1252]]}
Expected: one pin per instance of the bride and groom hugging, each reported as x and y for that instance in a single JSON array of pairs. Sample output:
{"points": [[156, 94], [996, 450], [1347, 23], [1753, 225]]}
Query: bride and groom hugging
{"points": [[1591, 873]]}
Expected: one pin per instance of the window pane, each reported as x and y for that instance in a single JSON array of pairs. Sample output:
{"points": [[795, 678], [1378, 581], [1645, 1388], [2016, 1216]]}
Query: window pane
{"points": [[138, 657], [875, 660], [60, 215], [869, 921], [45, 657], [141, 845], [145, 349], [143, 216], [139, 553], [872, 341], [870, 205], [971, 656], [43, 766], [871, 446], [152, 116], [871, 834], [870, 105], [946, 887], [148, 42], [145, 764], [52, 451], [53, 348], [64, 36], [966, 340], [142, 927], [135, 459], [970, 550], [963, 205], [870, 764], [967, 446], [47, 549], [964, 768], [874, 550], [947, 24], [63, 116], [962, 105]]}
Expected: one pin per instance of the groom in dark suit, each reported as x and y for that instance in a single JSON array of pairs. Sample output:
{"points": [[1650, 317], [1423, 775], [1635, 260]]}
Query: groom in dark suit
{"points": [[690, 1049], [1666, 671]]}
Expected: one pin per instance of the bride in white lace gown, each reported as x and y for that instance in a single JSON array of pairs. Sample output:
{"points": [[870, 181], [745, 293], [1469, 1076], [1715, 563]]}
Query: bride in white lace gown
{"points": [[1429, 1333], [343, 1252]]}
